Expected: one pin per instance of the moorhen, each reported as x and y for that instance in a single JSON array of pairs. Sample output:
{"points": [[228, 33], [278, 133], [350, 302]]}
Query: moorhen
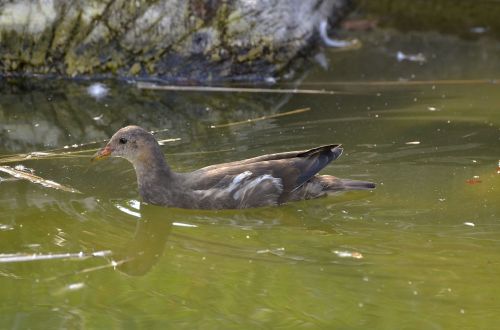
{"points": [[260, 181]]}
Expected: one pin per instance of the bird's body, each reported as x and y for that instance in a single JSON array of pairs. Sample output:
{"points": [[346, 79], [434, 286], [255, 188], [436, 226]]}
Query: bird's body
{"points": [[261, 181]]}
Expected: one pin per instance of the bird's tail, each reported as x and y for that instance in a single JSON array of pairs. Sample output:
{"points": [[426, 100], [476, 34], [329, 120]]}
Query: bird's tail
{"points": [[356, 184], [333, 184], [320, 185]]}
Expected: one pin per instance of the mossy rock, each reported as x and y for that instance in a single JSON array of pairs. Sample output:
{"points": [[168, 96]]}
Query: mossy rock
{"points": [[169, 39]]}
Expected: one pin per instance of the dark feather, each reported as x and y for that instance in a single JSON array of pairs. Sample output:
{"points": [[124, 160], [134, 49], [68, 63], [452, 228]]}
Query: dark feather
{"points": [[293, 168], [315, 160]]}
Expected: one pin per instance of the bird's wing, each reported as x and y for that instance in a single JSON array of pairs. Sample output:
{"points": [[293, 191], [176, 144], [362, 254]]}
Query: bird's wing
{"points": [[243, 190], [292, 168]]}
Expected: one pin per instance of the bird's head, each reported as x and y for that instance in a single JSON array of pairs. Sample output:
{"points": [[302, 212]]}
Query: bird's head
{"points": [[132, 143]]}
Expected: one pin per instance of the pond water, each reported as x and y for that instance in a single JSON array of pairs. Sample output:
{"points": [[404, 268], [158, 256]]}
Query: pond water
{"points": [[418, 252]]}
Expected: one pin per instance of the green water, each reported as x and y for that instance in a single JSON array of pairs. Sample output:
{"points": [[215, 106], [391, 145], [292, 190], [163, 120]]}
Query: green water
{"points": [[419, 252]]}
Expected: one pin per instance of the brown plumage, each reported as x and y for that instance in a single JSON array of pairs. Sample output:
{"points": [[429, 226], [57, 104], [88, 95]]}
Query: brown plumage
{"points": [[261, 181]]}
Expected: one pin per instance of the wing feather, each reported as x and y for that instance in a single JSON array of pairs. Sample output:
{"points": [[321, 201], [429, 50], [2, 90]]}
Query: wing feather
{"points": [[292, 168]]}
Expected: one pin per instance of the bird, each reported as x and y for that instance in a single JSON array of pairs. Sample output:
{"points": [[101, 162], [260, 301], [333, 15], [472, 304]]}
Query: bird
{"points": [[267, 180]]}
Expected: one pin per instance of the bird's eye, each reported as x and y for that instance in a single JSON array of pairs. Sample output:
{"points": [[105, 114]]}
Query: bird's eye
{"points": [[123, 140]]}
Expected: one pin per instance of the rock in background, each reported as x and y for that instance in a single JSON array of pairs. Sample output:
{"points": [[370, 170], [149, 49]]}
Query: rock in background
{"points": [[191, 40]]}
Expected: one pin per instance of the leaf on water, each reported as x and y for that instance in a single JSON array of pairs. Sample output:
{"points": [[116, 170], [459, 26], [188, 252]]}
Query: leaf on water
{"points": [[474, 180], [36, 179]]}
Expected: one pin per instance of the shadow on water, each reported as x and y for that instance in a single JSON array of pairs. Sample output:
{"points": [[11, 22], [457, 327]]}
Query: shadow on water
{"points": [[140, 254], [158, 226], [40, 114], [155, 228]]}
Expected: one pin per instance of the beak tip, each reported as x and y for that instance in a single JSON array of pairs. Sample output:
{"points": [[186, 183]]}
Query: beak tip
{"points": [[101, 154]]}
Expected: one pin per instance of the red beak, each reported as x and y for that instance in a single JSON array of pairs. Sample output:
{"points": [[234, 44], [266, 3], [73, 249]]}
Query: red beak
{"points": [[103, 153]]}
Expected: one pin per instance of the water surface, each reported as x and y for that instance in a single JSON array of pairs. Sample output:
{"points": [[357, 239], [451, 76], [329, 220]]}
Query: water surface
{"points": [[419, 252]]}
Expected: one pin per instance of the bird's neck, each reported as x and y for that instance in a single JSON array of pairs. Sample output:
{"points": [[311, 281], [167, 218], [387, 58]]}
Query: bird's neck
{"points": [[154, 177]]}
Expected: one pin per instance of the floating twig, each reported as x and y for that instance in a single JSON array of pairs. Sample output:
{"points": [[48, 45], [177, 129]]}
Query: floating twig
{"points": [[151, 86], [36, 179], [23, 257], [112, 264], [248, 121], [46, 155], [162, 142], [65, 151], [404, 82], [187, 153]]}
